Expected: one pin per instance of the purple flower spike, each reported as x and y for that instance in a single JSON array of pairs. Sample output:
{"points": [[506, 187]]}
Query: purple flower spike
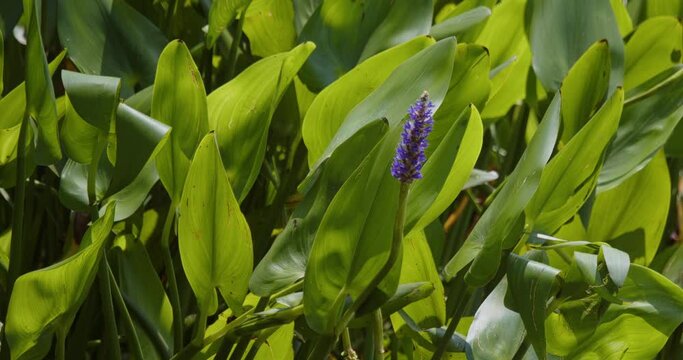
{"points": [[410, 154]]}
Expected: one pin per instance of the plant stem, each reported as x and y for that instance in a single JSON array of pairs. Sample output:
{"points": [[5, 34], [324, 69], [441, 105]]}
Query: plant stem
{"points": [[348, 347], [110, 331], [232, 55], [17, 241], [132, 335], [458, 310], [150, 328], [173, 294], [378, 334], [61, 342], [244, 340]]}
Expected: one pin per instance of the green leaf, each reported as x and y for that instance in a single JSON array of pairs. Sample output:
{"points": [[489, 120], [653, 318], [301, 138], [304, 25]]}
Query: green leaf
{"points": [[448, 168], [40, 96], [221, 14], [556, 44], [496, 331], [2, 60], [138, 139], [418, 265], [638, 328], [179, 101], [78, 137], [278, 346], [241, 110], [632, 216], [331, 106], [572, 174], [503, 36], [499, 227], [94, 98], [145, 296], [269, 25], [45, 301], [109, 37], [646, 123], [353, 241], [430, 70], [457, 25], [617, 262], [286, 260], [213, 235], [584, 88], [654, 47], [531, 284], [347, 32]]}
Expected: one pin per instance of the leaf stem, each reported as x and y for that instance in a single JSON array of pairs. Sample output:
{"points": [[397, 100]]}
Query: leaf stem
{"points": [[462, 291], [173, 294], [378, 334], [61, 344], [132, 335], [349, 353], [17, 241], [111, 337], [232, 55]]}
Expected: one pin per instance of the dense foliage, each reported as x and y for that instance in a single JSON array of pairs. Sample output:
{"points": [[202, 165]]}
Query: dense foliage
{"points": [[304, 179]]}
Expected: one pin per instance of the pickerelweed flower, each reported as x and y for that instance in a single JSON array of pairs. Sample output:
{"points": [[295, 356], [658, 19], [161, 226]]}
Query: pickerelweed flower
{"points": [[410, 154]]}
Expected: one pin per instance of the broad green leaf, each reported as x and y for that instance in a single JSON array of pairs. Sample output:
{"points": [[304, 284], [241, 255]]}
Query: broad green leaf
{"points": [[638, 328], [45, 301], [405, 20], [499, 228], [93, 97], [129, 199], [617, 263], [531, 284], [503, 36], [331, 106], [430, 70], [241, 110], [584, 88], [664, 8], [570, 177], [457, 25], [79, 138], [556, 44], [213, 235], [73, 184], [179, 101], [632, 215], [278, 346], [469, 84], [109, 37], [40, 96], [269, 25], [221, 14], [346, 32], [286, 260], [654, 47], [145, 295], [453, 164], [354, 238], [496, 331], [646, 123], [138, 139], [418, 265]]}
